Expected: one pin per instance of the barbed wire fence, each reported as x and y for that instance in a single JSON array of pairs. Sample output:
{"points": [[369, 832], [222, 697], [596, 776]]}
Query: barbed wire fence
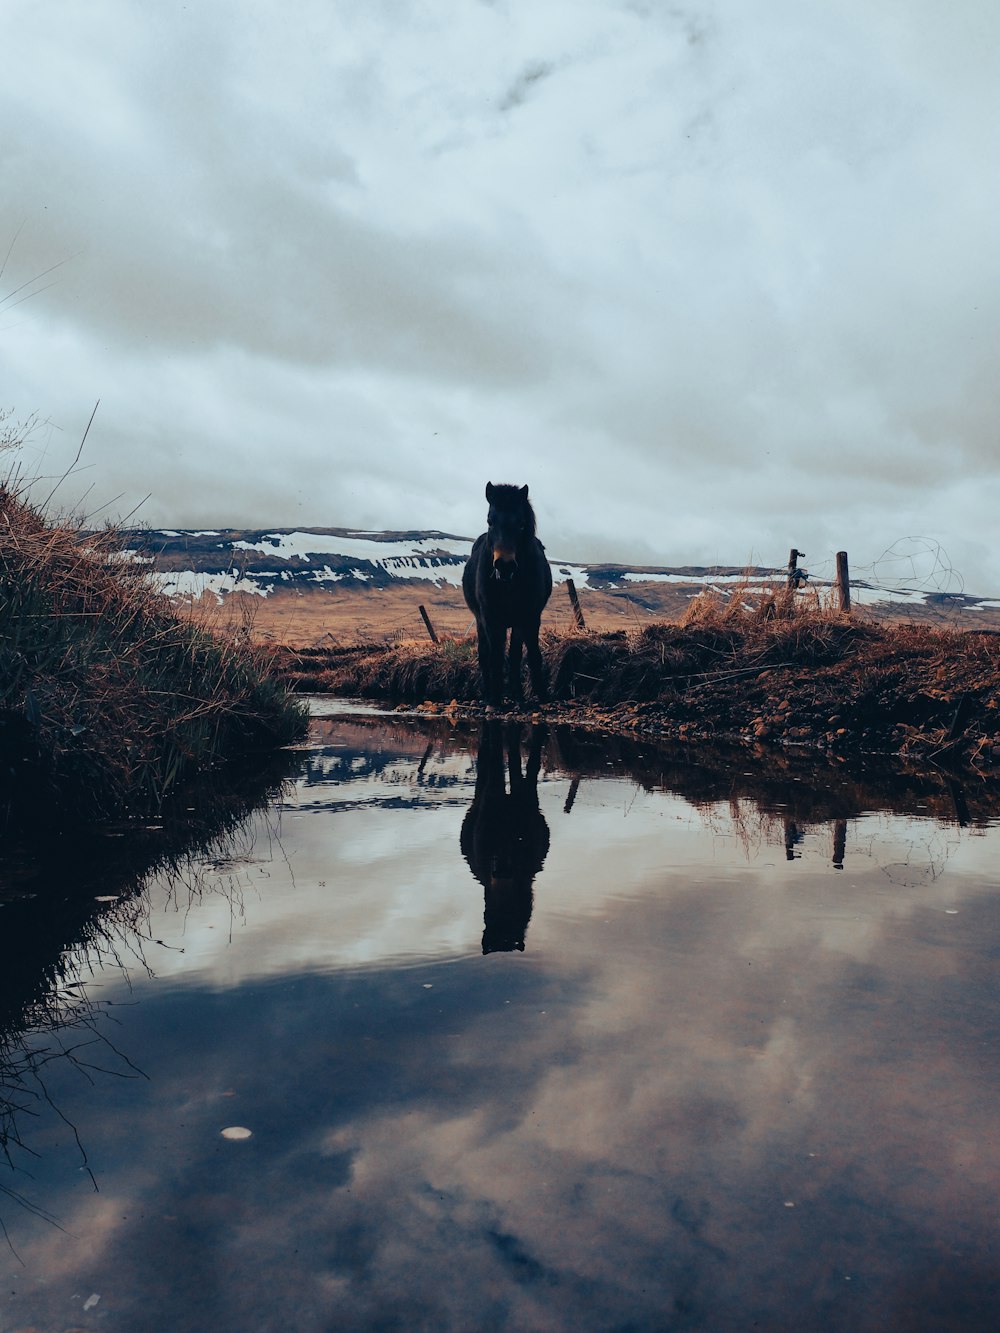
{"points": [[912, 570]]}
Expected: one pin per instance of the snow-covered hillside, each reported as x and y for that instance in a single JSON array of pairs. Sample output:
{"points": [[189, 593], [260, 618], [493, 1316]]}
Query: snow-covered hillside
{"points": [[189, 563]]}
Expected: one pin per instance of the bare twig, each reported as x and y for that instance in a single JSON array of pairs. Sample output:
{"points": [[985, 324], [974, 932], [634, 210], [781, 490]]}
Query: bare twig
{"points": [[83, 441]]}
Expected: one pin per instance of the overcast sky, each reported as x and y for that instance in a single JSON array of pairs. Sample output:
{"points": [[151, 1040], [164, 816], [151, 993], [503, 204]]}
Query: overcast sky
{"points": [[715, 279]]}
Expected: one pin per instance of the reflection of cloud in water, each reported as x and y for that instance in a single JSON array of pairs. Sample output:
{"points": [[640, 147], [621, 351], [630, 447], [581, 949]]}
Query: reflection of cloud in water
{"points": [[352, 894], [618, 1139]]}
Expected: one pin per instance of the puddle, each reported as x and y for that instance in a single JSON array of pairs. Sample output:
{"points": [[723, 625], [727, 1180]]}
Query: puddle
{"points": [[513, 1029]]}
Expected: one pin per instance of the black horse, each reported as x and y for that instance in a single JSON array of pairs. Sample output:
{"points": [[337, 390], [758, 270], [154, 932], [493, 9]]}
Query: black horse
{"points": [[507, 582], [505, 836]]}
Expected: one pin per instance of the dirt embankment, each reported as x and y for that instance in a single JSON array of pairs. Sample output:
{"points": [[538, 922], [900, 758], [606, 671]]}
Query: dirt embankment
{"points": [[843, 684]]}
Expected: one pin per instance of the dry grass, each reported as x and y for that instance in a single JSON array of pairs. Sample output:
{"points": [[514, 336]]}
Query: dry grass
{"points": [[410, 669], [109, 697]]}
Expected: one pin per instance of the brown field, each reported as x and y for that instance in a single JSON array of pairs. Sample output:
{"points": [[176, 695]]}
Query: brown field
{"points": [[313, 619], [324, 618]]}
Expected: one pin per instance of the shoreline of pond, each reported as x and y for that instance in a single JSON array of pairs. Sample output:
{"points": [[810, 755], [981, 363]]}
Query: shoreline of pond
{"points": [[845, 687]]}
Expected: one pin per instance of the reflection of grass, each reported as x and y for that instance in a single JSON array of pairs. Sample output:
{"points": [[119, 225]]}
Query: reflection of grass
{"points": [[77, 905], [108, 698], [65, 1028]]}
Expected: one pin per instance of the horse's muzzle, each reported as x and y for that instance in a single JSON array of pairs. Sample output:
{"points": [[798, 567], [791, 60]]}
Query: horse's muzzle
{"points": [[504, 570]]}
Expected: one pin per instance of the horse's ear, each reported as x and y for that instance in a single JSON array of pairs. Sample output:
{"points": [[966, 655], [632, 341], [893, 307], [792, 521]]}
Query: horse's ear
{"points": [[524, 492], [489, 490]]}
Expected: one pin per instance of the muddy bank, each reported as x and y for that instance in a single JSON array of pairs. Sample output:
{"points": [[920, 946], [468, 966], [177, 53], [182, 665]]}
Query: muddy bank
{"points": [[843, 685]]}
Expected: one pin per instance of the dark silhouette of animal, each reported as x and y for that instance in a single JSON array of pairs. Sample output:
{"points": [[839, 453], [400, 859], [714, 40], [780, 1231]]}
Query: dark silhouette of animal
{"points": [[504, 834], [507, 582]]}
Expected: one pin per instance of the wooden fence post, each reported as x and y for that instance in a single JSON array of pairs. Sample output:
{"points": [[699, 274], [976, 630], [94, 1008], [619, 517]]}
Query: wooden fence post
{"points": [[795, 575], [430, 627], [578, 614], [843, 581]]}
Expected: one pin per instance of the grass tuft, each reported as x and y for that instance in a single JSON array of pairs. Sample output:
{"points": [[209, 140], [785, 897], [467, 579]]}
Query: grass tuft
{"points": [[110, 699]]}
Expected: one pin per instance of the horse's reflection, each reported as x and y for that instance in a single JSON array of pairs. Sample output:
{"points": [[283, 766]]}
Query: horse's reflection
{"points": [[504, 835]]}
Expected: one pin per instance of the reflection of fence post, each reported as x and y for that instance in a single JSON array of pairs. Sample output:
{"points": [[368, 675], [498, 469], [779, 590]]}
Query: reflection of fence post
{"points": [[430, 627], [578, 614], [843, 581], [839, 843], [958, 800], [792, 839]]}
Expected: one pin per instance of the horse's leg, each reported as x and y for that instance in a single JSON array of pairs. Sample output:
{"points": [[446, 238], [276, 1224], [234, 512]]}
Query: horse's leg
{"points": [[485, 660], [534, 765], [514, 687], [539, 675], [516, 777], [493, 676]]}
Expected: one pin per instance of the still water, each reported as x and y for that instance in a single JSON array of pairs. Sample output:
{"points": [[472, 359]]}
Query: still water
{"points": [[514, 1030]]}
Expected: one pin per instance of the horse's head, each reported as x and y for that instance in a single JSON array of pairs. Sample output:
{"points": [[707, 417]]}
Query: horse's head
{"points": [[510, 520]]}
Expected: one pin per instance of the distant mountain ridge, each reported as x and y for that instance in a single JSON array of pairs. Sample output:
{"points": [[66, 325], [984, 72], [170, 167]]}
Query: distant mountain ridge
{"points": [[222, 560], [191, 562]]}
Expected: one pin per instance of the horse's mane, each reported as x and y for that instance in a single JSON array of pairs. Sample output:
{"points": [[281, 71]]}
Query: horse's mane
{"points": [[508, 497]]}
